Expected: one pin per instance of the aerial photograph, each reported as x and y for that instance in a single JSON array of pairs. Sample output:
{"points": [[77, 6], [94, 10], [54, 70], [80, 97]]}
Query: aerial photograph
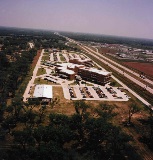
{"points": [[76, 79]]}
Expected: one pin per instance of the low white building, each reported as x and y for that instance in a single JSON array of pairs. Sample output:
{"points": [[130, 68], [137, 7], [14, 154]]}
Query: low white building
{"points": [[43, 92]]}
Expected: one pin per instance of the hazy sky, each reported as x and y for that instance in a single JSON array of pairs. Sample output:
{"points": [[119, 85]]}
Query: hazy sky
{"points": [[132, 18]]}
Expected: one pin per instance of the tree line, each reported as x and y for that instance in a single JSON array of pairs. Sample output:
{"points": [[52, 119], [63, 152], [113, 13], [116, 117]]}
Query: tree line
{"points": [[13, 73]]}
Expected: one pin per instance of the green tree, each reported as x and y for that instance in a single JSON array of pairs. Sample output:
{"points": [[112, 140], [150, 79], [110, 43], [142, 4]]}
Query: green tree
{"points": [[2, 110], [81, 107], [116, 142], [105, 110], [54, 102], [24, 138], [41, 113], [133, 108], [9, 123]]}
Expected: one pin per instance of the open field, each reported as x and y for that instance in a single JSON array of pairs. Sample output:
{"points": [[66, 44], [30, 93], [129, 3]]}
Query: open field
{"points": [[106, 50], [147, 68], [65, 106], [131, 68]]}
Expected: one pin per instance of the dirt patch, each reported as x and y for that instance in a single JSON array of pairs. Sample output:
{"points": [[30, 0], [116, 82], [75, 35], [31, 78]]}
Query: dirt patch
{"points": [[147, 68], [107, 50], [65, 106], [36, 58]]}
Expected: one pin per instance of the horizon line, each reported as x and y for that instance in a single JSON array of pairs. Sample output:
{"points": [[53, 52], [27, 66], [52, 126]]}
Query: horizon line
{"points": [[119, 36]]}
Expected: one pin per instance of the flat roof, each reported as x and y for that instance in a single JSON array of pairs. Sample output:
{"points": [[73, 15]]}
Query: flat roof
{"points": [[94, 70], [70, 65], [44, 91], [63, 68], [63, 64], [81, 60], [67, 71]]}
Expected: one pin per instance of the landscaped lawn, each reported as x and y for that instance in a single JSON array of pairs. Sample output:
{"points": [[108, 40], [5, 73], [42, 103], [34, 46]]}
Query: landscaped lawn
{"points": [[42, 81], [45, 58], [46, 54], [62, 57], [41, 71]]}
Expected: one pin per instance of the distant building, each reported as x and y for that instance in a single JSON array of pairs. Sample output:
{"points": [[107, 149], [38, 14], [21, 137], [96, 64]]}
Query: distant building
{"points": [[86, 62], [55, 50], [122, 55]]}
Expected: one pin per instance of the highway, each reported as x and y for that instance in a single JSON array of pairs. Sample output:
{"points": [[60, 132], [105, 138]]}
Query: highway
{"points": [[123, 67]]}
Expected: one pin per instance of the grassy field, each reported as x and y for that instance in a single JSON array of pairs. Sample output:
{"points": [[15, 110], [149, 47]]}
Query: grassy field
{"points": [[114, 83], [45, 58], [41, 71], [62, 57], [65, 106], [42, 81], [46, 53]]}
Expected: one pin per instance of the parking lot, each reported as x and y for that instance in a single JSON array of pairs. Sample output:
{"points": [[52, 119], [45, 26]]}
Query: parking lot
{"points": [[95, 93]]}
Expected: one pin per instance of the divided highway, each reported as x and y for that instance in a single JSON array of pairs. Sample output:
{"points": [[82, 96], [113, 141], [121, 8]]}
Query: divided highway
{"points": [[123, 67]]}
